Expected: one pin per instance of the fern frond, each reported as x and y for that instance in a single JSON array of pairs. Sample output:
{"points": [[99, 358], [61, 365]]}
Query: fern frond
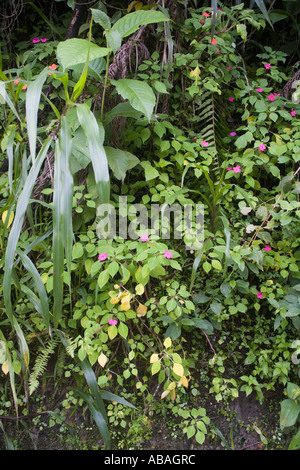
{"points": [[213, 125], [41, 364]]}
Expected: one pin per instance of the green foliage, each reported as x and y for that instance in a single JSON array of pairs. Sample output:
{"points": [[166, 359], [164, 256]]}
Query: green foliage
{"points": [[204, 124]]}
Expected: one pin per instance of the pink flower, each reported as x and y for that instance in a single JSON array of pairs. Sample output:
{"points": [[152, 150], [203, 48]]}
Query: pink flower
{"points": [[260, 90], [259, 295], [156, 115], [168, 254], [213, 41], [228, 68], [145, 238], [112, 322], [230, 99], [233, 133], [229, 168], [236, 169], [293, 112], [44, 40], [206, 14], [262, 147], [17, 81], [24, 87], [102, 256], [267, 66], [204, 143], [271, 97], [267, 248], [35, 40]]}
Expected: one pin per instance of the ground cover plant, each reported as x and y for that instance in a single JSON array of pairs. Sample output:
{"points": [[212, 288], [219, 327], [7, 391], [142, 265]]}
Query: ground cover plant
{"points": [[144, 106]]}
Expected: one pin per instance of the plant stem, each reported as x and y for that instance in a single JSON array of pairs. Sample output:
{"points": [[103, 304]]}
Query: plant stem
{"points": [[104, 88]]}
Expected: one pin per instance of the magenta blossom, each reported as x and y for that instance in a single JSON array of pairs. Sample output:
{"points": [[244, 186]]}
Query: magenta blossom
{"points": [[267, 66], [112, 322], [271, 97], [44, 40], [229, 168], [35, 40], [262, 147], [293, 112], [259, 295], [145, 237], [233, 133], [168, 254], [267, 248], [230, 99], [260, 90], [102, 256], [228, 68], [236, 169], [204, 143]]}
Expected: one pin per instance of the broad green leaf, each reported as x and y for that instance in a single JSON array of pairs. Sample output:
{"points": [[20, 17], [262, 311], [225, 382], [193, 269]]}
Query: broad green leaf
{"points": [[120, 161], [95, 135], [101, 18], [77, 51], [113, 40], [150, 172], [139, 94], [131, 22], [289, 413], [121, 109]]}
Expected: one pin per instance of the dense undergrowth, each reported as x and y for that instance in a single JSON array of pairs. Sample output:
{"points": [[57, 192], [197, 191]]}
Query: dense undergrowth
{"points": [[154, 108]]}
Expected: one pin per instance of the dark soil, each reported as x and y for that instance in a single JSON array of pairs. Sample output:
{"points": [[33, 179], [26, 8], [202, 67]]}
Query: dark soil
{"points": [[242, 424]]}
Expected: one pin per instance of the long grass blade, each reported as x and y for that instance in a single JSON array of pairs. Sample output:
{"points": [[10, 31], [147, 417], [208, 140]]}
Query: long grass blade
{"points": [[39, 285], [14, 234], [62, 215], [33, 96]]}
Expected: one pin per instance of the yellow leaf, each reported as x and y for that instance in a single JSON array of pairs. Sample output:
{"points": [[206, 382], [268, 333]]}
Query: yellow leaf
{"points": [[102, 359], [5, 367], [141, 310], [154, 358], [137, 5], [139, 289], [167, 343], [178, 369], [184, 381], [114, 300], [173, 394], [10, 219], [125, 306], [250, 119], [171, 386], [164, 394]]}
